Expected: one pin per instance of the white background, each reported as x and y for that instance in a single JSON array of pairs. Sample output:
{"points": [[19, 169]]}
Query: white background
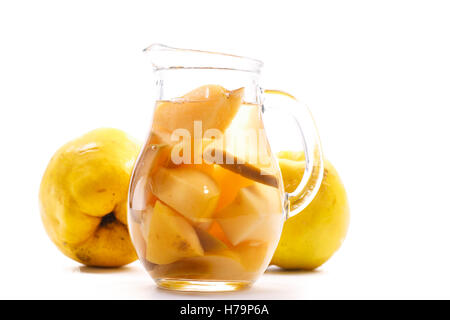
{"points": [[376, 75]]}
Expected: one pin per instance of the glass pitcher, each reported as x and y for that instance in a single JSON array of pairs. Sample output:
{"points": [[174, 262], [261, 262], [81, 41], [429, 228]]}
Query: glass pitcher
{"points": [[206, 199]]}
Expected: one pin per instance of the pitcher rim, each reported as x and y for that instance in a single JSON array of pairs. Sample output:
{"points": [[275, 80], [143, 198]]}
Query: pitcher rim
{"points": [[229, 61]]}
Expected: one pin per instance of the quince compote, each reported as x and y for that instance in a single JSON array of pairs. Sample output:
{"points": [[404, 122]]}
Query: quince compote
{"points": [[206, 200]]}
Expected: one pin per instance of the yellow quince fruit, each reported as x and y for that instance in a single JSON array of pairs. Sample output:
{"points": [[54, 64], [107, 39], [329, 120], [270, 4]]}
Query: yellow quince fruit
{"points": [[83, 198], [311, 237]]}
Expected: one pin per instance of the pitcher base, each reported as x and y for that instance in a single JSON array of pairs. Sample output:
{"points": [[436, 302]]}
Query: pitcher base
{"points": [[202, 285]]}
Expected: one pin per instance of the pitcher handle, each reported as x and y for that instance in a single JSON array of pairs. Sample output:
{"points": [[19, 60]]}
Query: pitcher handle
{"points": [[312, 177]]}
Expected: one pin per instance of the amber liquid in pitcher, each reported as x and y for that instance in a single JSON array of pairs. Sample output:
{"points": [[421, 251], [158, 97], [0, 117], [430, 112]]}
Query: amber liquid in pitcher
{"points": [[206, 202]]}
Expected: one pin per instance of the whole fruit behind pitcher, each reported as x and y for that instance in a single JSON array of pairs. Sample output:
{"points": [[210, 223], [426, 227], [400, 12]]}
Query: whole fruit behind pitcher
{"points": [[83, 197], [311, 237]]}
